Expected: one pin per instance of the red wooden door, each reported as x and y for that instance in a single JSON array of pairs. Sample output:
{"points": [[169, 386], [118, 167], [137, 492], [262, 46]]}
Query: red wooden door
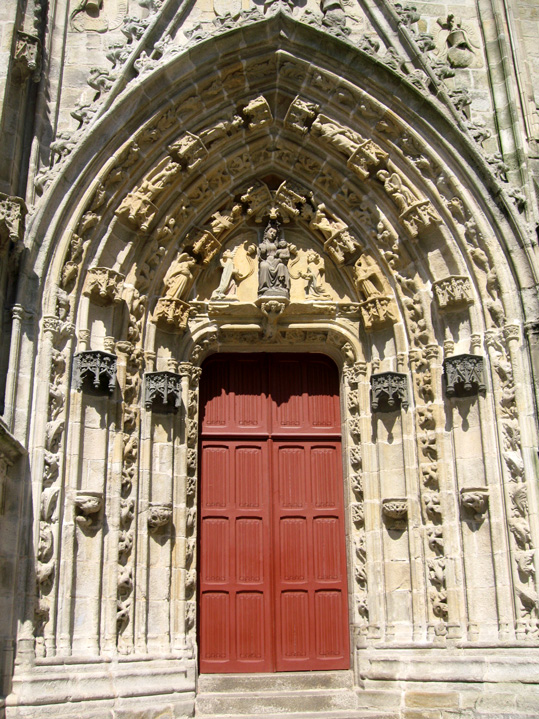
{"points": [[272, 585]]}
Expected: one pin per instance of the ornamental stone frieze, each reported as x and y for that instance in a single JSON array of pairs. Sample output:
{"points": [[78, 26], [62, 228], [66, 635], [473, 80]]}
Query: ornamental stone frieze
{"points": [[453, 292], [103, 286], [94, 370], [162, 391], [389, 391], [464, 375]]}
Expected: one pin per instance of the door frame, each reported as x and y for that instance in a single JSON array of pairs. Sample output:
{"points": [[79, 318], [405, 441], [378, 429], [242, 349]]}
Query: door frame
{"points": [[351, 373]]}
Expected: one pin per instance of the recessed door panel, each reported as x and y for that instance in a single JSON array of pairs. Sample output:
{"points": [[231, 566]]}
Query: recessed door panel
{"points": [[272, 587]]}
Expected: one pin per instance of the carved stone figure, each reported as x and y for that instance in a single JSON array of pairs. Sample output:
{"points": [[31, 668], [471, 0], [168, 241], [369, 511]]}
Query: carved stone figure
{"points": [[341, 138], [273, 257], [301, 115], [138, 206], [397, 190], [180, 277], [314, 276]]}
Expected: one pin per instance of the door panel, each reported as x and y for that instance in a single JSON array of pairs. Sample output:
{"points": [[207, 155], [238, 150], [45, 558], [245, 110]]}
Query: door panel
{"points": [[273, 586]]}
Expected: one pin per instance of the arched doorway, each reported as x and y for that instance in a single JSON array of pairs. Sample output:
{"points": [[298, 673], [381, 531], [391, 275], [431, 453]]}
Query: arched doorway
{"points": [[273, 585]]}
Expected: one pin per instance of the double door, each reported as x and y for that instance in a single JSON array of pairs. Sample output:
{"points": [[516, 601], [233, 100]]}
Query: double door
{"points": [[272, 583]]}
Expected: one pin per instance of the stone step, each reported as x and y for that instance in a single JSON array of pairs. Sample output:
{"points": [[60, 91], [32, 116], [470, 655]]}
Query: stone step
{"points": [[350, 714], [278, 681], [253, 703]]}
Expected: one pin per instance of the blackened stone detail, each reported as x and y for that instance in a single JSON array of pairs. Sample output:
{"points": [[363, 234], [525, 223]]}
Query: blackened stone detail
{"points": [[94, 370], [162, 391], [389, 391], [464, 375]]}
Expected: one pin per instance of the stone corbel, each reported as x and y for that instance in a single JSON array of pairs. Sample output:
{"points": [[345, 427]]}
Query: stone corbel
{"points": [[172, 315], [474, 501], [12, 214], [464, 375], [88, 506], [389, 391], [159, 515], [453, 292], [103, 286], [272, 308], [162, 391], [395, 513], [101, 366], [27, 57], [419, 217], [378, 312]]}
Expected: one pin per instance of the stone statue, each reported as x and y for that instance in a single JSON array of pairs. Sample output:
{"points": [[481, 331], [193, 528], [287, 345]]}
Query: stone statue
{"points": [[273, 257], [179, 278], [314, 275], [326, 223], [342, 138], [228, 284], [395, 188], [366, 278]]}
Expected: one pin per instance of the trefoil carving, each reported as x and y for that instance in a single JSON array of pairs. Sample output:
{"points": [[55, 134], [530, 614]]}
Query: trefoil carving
{"points": [[96, 370], [464, 375], [162, 391], [389, 391]]}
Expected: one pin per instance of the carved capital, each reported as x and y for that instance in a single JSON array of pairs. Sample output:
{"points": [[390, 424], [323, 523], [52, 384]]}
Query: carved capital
{"points": [[103, 286], [27, 57], [464, 375], [453, 292], [162, 391], [171, 314], [51, 324], [395, 513], [389, 391], [94, 370]]}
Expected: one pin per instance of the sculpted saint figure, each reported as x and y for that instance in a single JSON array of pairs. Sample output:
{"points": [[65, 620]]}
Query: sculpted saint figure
{"points": [[138, 205], [314, 275], [273, 257], [326, 223], [365, 278], [342, 138], [393, 185], [178, 280], [227, 285]]}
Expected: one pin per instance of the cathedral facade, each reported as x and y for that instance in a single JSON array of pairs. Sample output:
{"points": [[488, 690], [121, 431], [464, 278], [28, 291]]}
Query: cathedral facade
{"points": [[269, 359]]}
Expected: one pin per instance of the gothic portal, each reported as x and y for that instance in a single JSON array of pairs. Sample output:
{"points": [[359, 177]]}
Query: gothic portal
{"points": [[269, 359]]}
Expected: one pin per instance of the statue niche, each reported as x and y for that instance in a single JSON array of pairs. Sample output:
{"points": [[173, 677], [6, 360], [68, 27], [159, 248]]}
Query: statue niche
{"points": [[274, 253]]}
